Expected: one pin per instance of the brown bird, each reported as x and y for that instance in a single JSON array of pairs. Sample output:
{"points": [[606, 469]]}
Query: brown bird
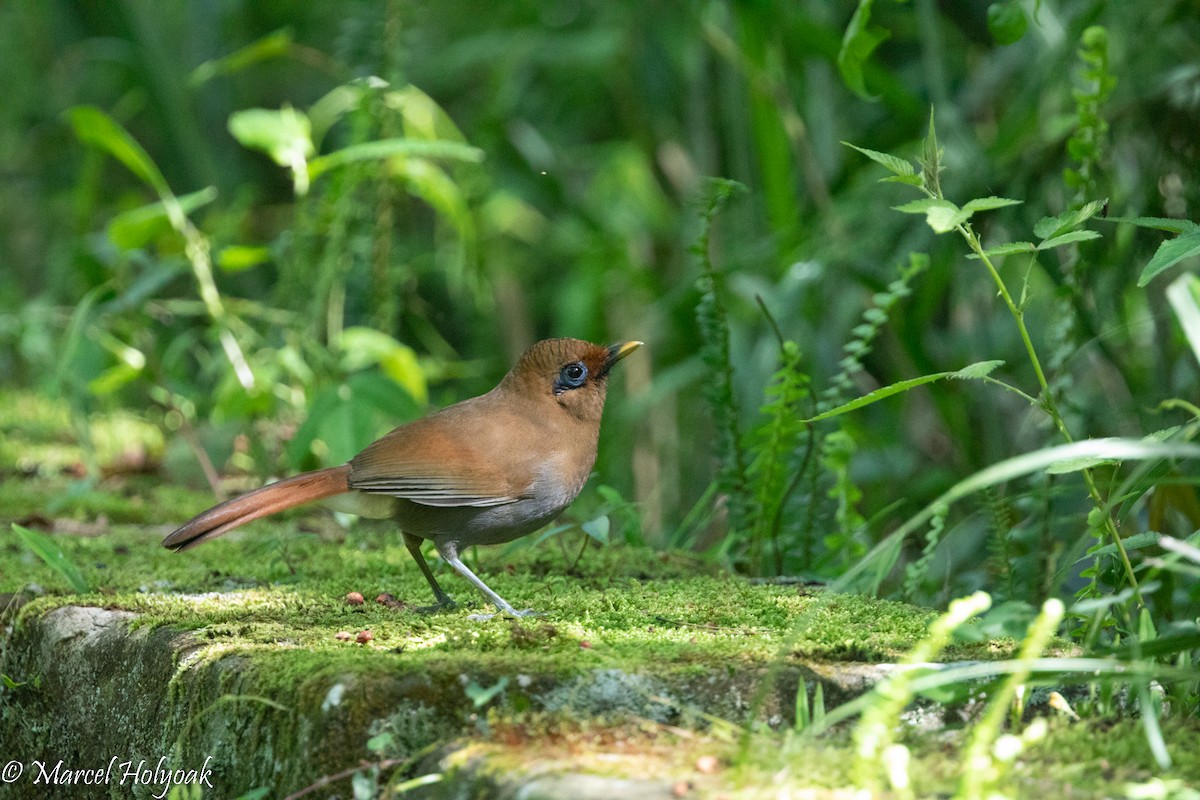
{"points": [[484, 471]]}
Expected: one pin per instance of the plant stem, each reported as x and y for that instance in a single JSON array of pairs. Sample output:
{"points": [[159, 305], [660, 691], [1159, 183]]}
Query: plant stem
{"points": [[1047, 401]]}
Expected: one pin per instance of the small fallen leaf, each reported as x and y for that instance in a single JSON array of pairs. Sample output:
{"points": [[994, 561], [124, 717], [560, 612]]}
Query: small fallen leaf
{"points": [[364, 636], [354, 598], [387, 599]]}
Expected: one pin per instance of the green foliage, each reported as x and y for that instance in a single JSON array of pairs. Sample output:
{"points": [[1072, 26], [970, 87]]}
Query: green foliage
{"points": [[858, 43], [1087, 144], [713, 321], [282, 230], [50, 553], [865, 333], [1007, 22], [776, 471]]}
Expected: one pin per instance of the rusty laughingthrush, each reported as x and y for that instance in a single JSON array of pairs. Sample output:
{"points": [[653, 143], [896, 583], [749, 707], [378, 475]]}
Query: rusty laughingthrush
{"points": [[484, 471]]}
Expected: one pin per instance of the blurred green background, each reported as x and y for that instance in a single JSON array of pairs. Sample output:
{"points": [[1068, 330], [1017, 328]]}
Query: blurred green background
{"points": [[387, 201]]}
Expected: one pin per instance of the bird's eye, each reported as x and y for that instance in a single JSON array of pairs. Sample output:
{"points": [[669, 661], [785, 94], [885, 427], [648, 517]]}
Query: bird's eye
{"points": [[572, 376]]}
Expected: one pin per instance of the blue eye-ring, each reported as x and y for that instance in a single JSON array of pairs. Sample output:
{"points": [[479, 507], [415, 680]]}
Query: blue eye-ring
{"points": [[572, 376]]}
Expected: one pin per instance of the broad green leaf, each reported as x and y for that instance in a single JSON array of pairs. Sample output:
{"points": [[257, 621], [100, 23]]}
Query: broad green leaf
{"points": [[422, 116], [944, 216], [1048, 227], [1184, 296], [923, 205], [944, 220], [92, 126], [335, 104], [402, 366], [362, 347], [1067, 238], [284, 134], [908, 180], [858, 42], [597, 528], [894, 164], [236, 257], [48, 551], [1170, 253], [132, 229], [390, 148], [988, 203], [973, 371], [1158, 223]]}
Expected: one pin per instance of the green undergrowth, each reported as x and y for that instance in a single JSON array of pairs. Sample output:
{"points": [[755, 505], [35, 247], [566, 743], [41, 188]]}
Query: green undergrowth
{"points": [[281, 594], [278, 588]]}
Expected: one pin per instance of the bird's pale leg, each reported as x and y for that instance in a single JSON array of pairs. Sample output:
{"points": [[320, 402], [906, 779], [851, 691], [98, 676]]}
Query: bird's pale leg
{"points": [[449, 551], [444, 601]]}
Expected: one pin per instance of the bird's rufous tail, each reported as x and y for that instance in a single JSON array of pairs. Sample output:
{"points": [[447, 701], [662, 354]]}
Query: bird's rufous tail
{"points": [[288, 493]]}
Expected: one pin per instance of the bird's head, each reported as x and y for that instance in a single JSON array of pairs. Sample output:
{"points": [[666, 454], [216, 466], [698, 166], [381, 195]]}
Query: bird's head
{"points": [[570, 373]]}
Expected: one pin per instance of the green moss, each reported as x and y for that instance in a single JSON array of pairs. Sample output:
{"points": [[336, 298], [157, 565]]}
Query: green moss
{"points": [[37, 435], [281, 596]]}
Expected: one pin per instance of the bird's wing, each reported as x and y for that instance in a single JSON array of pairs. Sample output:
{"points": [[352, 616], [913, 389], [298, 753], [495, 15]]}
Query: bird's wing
{"points": [[457, 457], [430, 491]]}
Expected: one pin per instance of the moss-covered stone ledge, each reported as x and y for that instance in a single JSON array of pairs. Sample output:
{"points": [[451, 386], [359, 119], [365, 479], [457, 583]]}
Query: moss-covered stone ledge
{"points": [[232, 651]]}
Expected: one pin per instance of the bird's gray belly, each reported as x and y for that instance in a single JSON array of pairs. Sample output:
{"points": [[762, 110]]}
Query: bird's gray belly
{"points": [[468, 525]]}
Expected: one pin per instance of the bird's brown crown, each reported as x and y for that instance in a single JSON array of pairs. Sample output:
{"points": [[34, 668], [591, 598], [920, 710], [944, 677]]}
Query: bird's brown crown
{"points": [[571, 372]]}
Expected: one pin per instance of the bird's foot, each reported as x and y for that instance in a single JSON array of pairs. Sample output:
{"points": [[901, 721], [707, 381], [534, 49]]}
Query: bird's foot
{"points": [[438, 607]]}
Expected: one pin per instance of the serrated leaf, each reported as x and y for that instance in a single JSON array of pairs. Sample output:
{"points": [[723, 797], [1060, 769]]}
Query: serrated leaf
{"points": [[899, 167], [908, 180], [1067, 238], [973, 371], [1134, 542], [980, 369], [1048, 227], [1158, 223], [923, 205], [944, 220], [988, 203], [1170, 253]]}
